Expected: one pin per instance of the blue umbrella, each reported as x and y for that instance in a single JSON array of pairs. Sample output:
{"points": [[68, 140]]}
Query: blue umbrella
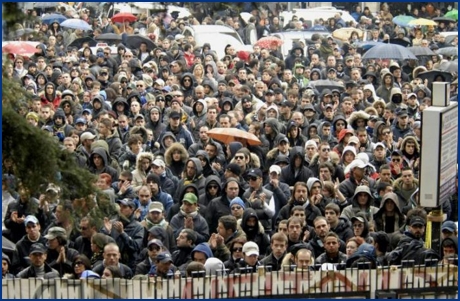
{"points": [[403, 21], [366, 45], [389, 51], [76, 24], [49, 19]]}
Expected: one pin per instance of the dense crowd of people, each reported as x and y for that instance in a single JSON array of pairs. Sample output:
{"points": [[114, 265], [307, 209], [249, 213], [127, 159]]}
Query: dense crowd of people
{"points": [[334, 179]]}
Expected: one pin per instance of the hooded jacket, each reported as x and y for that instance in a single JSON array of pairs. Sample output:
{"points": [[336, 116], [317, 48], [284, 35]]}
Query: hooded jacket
{"points": [[157, 127], [289, 174], [54, 99], [139, 175], [220, 205], [351, 210], [203, 248], [380, 219], [176, 167], [198, 180], [206, 198], [255, 233], [290, 60], [383, 91], [207, 169], [188, 92], [355, 116], [106, 168], [200, 226]]}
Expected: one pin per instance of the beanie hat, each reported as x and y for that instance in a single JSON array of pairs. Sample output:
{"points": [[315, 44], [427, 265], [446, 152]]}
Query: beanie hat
{"points": [[32, 115], [237, 201]]}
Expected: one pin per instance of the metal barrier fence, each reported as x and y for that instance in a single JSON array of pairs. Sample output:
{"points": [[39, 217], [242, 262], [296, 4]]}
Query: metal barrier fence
{"points": [[440, 281]]}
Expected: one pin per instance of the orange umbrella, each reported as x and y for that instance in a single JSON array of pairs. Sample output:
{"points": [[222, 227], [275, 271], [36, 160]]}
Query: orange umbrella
{"points": [[232, 135]]}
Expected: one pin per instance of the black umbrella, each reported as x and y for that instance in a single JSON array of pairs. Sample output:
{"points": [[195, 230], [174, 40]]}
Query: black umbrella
{"points": [[7, 245], [109, 37], [134, 42], [403, 42], [435, 75], [322, 84], [444, 20], [79, 42]]}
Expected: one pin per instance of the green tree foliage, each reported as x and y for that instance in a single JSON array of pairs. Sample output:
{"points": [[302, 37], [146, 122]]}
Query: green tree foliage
{"points": [[38, 158]]}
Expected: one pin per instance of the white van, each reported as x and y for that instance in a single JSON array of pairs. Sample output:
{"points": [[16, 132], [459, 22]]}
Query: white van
{"points": [[218, 36]]}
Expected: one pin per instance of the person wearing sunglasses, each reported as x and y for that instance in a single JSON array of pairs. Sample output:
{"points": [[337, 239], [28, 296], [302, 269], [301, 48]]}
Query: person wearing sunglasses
{"points": [[80, 264]]}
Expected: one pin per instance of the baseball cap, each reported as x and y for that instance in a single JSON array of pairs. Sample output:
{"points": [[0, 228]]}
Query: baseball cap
{"points": [[379, 144], [282, 139], [86, 136], [159, 81], [269, 92], [275, 168], [138, 116], [250, 248], [328, 106], [37, 248], [127, 202], [164, 257], [159, 163], [155, 241], [190, 198], [156, 207], [412, 94], [286, 104], [56, 232], [417, 221], [87, 111], [255, 172], [357, 218], [80, 120], [31, 219], [449, 226], [88, 274], [175, 115], [353, 139], [234, 168], [401, 112]]}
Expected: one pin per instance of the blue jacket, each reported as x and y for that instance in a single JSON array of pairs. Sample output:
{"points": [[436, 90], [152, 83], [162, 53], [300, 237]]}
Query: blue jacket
{"points": [[164, 198], [203, 248]]}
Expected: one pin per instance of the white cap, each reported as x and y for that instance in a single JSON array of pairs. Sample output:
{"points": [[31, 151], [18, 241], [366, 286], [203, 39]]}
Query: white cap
{"points": [[379, 144], [353, 139], [159, 163], [159, 81], [275, 168], [86, 136], [349, 148], [311, 143], [179, 36], [363, 157], [357, 163], [250, 248]]}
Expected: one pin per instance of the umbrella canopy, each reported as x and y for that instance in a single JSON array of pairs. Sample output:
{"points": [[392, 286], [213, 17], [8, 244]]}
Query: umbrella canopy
{"points": [[79, 42], [134, 41], [231, 135], [366, 45], [21, 32], [389, 51], [421, 51], [450, 51], [402, 21], [344, 33], [20, 47], [422, 22], [453, 14], [322, 84], [444, 20], [122, 17], [49, 19], [266, 42], [76, 24], [435, 76], [108, 37], [451, 67], [402, 42], [7, 245]]}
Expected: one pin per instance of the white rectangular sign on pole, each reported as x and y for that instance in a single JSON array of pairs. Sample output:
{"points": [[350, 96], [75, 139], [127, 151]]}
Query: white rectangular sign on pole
{"points": [[438, 169]]}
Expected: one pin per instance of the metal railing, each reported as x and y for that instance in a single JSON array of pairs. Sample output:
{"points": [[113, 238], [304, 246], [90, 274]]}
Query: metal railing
{"points": [[440, 281]]}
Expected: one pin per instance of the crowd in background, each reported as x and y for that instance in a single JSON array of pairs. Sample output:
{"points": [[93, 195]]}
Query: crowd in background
{"points": [[335, 178]]}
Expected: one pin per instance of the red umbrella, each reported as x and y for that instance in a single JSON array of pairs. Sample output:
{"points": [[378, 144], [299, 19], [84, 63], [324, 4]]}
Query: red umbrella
{"points": [[266, 42], [122, 17], [19, 47]]}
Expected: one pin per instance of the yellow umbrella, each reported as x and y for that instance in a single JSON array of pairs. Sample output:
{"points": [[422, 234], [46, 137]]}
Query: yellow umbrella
{"points": [[423, 21], [344, 33]]}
